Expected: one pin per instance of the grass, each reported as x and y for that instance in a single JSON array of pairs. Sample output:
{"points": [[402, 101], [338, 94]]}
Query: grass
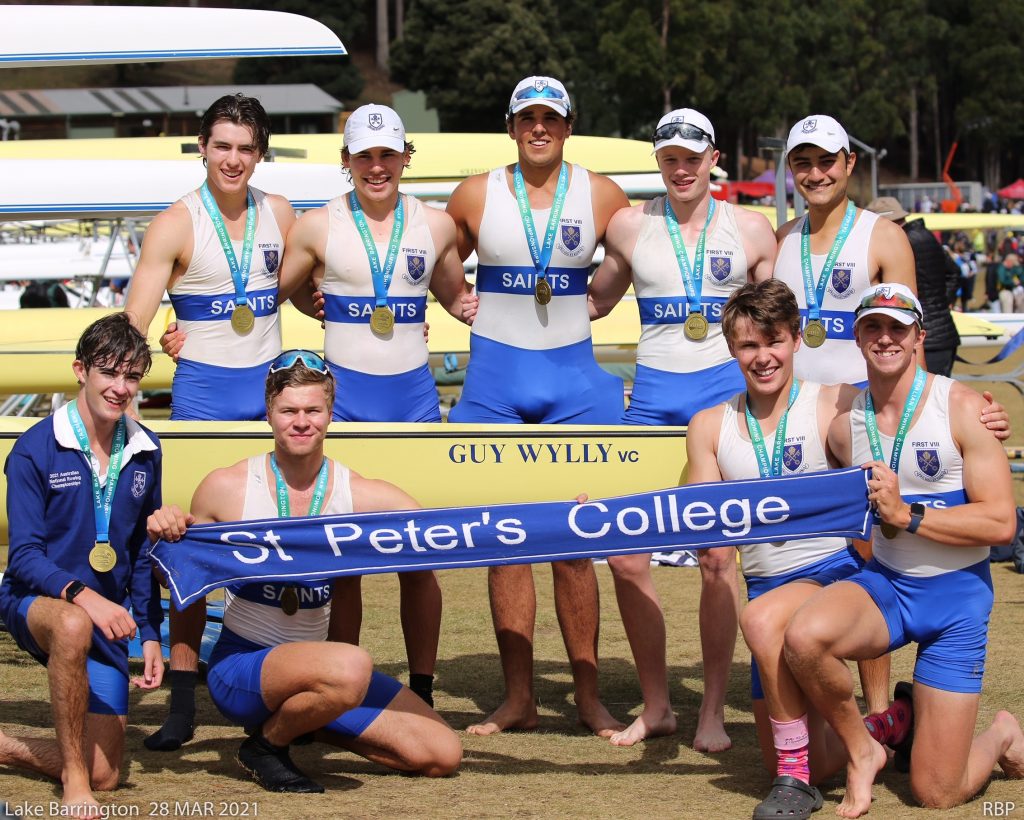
{"points": [[558, 771]]}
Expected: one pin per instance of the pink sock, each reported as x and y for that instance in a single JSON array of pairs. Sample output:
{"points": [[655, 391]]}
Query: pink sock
{"points": [[791, 747], [891, 726]]}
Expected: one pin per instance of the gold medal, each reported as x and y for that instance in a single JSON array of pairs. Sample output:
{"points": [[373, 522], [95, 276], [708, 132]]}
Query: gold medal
{"points": [[696, 327], [815, 333], [102, 557], [542, 292], [890, 531], [289, 601], [243, 320], [382, 320]]}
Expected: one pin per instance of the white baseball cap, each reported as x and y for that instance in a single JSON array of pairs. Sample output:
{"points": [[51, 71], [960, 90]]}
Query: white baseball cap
{"points": [[890, 299], [685, 127], [374, 126], [540, 91], [821, 130]]}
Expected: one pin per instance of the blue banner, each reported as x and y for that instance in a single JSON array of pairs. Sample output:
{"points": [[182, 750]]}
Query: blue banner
{"points": [[696, 516]]}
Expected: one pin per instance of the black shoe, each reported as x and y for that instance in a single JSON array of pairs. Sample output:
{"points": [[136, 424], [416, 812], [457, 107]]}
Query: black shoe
{"points": [[272, 767], [790, 798], [901, 760]]}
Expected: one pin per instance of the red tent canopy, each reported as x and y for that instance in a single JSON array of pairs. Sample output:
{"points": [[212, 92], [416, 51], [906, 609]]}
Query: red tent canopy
{"points": [[1013, 191]]}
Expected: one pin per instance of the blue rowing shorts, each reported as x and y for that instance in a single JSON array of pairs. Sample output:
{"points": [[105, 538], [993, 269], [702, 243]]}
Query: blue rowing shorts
{"points": [[945, 615], [208, 392], [837, 567], [234, 683], [401, 397], [662, 397], [512, 385], [108, 685]]}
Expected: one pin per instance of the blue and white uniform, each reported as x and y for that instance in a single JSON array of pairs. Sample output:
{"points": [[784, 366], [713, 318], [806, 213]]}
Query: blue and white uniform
{"points": [[529, 362], [675, 376], [935, 595], [838, 360], [379, 378], [220, 373], [768, 566], [52, 530], [254, 622]]}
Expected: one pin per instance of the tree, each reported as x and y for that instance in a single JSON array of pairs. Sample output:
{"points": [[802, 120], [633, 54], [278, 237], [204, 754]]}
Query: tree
{"points": [[468, 54]]}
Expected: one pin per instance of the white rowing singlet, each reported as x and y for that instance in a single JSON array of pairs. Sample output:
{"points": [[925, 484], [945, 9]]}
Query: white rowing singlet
{"points": [[253, 611], [661, 297]]}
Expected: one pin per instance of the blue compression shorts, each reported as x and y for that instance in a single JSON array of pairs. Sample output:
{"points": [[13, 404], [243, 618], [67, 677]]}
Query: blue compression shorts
{"points": [[837, 567], [511, 385], [108, 685], [946, 615], [410, 396], [234, 683], [207, 392], [661, 397]]}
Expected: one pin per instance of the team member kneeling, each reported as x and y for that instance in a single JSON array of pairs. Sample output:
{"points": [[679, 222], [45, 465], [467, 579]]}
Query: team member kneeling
{"points": [[271, 669], [941, 487]]}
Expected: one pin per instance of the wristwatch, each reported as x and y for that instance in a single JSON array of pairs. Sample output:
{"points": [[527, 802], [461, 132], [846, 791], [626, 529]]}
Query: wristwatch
{"points": [[916, 514], [72, 591]]}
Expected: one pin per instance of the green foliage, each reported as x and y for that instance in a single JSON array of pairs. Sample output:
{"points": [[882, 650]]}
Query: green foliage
{"points": [[467, 56]]}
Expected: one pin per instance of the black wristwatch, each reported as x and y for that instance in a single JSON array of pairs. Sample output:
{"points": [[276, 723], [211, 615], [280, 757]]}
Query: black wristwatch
{"points": [[73, 589], [916, 514]]}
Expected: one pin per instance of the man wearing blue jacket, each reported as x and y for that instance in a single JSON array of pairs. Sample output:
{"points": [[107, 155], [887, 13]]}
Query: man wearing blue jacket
{"points": [[80, 485]]}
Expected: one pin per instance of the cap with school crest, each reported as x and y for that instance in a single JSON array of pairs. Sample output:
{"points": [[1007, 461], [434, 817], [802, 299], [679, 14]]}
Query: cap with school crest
{"points": [[890, 299], [540, 91], [374, 126], [821, 130]]}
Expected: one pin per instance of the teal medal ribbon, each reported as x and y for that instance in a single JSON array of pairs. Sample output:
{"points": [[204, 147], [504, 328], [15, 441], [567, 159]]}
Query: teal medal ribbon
{"points": [[541, 256], [693, 277], [771, 469], [102, 498], [816, 293], [870, 422], [239, 272], [289, 595], [381, 277]]}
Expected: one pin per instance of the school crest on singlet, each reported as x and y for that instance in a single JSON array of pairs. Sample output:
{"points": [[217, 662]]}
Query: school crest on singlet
{"points": [[793, 457], [840, 281], [570, 236], [271, 260], [720, 267], [928, 462], [417, 266]]}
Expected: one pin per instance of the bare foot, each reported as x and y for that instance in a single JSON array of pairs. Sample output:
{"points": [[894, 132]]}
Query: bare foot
{"points": [[80, 804], [646, 725], [1012, 761], [598, 719], [711, 736], [860, 775], [507, 716]]}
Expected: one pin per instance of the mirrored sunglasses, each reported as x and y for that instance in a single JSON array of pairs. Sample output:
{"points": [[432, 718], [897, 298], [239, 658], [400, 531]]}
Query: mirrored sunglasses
{"points": [[289, 358]]}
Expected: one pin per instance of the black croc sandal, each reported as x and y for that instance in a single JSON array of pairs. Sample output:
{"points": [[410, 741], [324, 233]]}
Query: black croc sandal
{"points": [[901, 760], [790, 798]]}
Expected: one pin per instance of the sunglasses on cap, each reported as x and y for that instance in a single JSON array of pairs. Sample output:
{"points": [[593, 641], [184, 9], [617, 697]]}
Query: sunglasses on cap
{"points": [[290, 358], [892, 300], [684, 131], [545, 93]]}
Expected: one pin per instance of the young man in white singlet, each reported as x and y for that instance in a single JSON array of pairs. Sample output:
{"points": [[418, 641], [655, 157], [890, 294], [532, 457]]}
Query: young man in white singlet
{"points": [[217, 252], [683, 265], [941, 489], [374, 312], [272, 670], [535, 226], [857, 248]]}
